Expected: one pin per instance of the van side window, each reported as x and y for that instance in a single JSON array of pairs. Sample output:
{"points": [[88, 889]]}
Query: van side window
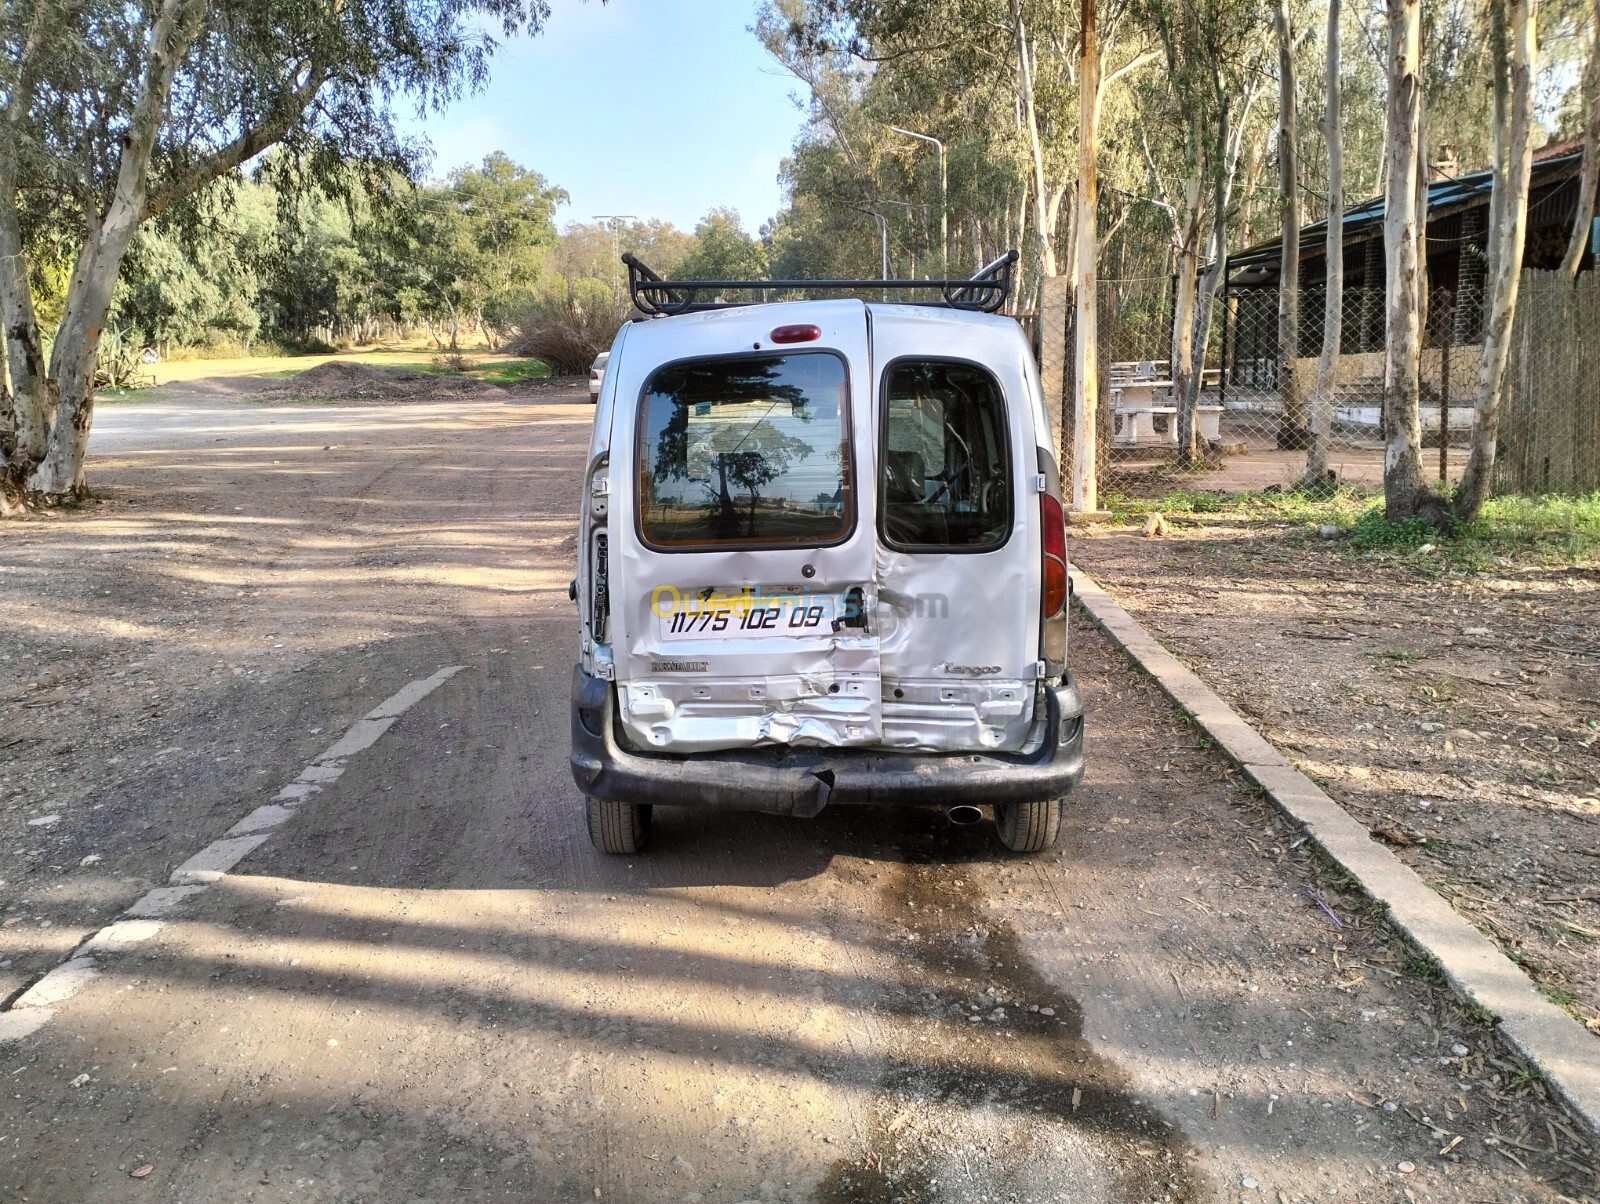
{"points": [[946, 475], [746, 450]]}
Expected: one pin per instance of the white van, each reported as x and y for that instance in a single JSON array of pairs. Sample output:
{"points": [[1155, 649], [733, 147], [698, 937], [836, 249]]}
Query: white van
{"points": [[823, 563]]}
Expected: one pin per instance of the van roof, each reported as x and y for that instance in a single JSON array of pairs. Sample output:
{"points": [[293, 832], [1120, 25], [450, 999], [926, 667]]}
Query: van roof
{"points": [[765, 315]]}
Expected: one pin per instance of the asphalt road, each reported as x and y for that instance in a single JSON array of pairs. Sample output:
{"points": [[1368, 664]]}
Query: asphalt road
{"points": [[427, 986]]}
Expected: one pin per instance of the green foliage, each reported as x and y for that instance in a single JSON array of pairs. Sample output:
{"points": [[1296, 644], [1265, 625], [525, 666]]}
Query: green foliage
{"points": [[723, 251]]}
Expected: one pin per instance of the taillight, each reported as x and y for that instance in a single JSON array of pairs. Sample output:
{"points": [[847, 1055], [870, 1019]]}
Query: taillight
{"points": [[594, 376], [1053, 530], [795, 334]]}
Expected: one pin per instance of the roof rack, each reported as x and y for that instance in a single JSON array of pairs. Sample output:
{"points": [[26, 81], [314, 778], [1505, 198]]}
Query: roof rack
{"points": [[984, 292]]}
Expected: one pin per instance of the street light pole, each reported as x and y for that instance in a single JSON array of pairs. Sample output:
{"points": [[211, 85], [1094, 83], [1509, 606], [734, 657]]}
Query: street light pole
{"points": [[944, 218], [883, 239]]}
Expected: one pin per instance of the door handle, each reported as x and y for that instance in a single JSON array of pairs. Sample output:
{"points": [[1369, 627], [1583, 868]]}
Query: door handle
{"points": [[855, 610]]}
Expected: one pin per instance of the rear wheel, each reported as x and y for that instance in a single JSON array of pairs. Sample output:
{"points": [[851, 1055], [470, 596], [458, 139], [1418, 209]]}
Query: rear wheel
{"points": [[620, 828], [1028, 827]]}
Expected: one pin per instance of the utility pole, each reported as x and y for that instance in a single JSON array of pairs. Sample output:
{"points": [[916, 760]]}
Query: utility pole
{"points": [[1086, 334], [944, 217], [613, 223]]}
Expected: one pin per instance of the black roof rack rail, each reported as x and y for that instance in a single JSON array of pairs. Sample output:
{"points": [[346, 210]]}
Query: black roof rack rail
{"points": [[984, 292]]}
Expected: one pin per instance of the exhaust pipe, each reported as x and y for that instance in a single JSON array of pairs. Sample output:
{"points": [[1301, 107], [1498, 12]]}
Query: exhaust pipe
{"points": [[963, 814]]}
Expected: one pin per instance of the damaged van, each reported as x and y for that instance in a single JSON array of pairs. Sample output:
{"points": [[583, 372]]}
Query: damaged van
{"points": [[822, 561]]}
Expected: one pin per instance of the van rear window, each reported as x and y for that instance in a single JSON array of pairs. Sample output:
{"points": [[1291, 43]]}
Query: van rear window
{"points": [[746, 450], [946, 481]]}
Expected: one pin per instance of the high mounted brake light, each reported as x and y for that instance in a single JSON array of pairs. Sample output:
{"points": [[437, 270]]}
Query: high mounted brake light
{"points": [[795, 334]]}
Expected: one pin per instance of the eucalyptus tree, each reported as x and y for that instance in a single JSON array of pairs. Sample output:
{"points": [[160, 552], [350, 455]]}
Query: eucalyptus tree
{"points": [[1589, 106], [1215, 52], [1292, 419], [1514, 96], [126, 111], [1321, 416], [1406, 494]]}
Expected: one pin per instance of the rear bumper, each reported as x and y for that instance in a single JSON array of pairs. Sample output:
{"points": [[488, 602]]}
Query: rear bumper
{"points": [[801, 781]]}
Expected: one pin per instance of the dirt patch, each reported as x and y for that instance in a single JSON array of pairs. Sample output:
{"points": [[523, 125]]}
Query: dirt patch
{"points": [[367, 382], [1456, 714]]}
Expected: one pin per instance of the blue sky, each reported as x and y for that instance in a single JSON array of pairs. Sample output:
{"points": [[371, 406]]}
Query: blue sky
{"points": [[658, 108]]}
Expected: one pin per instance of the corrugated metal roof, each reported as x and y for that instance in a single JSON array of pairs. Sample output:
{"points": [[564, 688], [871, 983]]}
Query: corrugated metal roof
{"points": [[1444, 196]]}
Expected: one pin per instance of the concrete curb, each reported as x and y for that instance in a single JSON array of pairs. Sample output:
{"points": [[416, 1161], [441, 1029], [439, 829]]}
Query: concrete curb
{"points": [[1547, 1037]]}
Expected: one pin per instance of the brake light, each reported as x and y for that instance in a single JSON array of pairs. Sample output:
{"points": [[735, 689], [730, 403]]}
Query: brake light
{"points": [[795, 334], [593, 375], [1053, 574]]}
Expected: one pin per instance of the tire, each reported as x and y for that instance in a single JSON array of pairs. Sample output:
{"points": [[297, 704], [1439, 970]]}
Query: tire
{"points": [[1029, 827], [618, 828]]}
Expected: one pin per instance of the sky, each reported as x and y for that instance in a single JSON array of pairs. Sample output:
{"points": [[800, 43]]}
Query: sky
{"points": [[655, 108]]}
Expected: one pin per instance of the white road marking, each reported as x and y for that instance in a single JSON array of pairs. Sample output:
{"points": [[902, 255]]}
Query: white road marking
{"points": [[161, 900], [120, 935], [61, 983], [35, 1006], [216, 859], [268, 815]]}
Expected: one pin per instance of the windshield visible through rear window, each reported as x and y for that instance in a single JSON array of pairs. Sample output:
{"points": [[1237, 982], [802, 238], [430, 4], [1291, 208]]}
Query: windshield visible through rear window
{"points": [[945, 479], [746, 450]]}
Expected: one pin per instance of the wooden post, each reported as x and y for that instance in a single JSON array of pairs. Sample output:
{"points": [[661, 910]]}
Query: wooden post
{"points": [[1053, 357]]}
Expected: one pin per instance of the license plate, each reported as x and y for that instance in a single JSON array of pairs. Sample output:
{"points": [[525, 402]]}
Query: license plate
{"points": [[748, 616]]}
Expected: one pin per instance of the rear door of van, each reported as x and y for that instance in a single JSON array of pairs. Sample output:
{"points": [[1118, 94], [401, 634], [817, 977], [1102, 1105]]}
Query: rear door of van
{"points": [[743, 545], [958, 560]]}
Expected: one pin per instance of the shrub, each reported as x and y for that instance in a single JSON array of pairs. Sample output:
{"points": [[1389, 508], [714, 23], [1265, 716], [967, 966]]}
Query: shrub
{"points": [[568, 331]]}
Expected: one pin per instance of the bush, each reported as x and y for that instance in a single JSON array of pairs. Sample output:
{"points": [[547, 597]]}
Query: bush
{"points": [[568, 331]]}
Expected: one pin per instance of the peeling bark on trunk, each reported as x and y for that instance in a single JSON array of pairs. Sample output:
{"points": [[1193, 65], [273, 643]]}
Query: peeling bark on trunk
{"points": [[1507, 240], [1190, 381], [1405, 493], [1086, 260], [1583, 215], [1185, 299], [1043, 207], [1333, 305], [28, 396], [1292, 419]]}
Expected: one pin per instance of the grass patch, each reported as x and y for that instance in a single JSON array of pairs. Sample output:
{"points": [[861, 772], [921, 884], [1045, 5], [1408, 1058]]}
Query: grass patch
{"points": [[513, 372], [1424, 966], [1552, 531], [501, 372], [1393, 656]]}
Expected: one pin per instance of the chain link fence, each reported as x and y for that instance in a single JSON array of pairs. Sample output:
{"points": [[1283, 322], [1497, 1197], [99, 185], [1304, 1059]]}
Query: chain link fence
{"points": [[1256, 405]]}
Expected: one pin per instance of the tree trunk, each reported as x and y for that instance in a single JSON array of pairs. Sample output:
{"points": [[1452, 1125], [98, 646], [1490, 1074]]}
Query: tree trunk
{"points": [[1193, 382], [1044, 232], [1185, 293], [1500, 120], [1292, 420], [1507, 239], [1086, 260], [72, 359], [25, 428], [77, 347], [1583, 215], [1405, 493], [29, 396], [1322, 395]]}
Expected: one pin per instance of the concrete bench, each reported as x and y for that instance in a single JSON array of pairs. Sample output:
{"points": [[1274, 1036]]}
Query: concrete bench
{"points": [[1137, 423]]}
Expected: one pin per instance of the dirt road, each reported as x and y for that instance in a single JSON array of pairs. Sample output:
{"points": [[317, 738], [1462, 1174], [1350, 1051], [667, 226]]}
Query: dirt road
{"points": [[427, 986]]}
